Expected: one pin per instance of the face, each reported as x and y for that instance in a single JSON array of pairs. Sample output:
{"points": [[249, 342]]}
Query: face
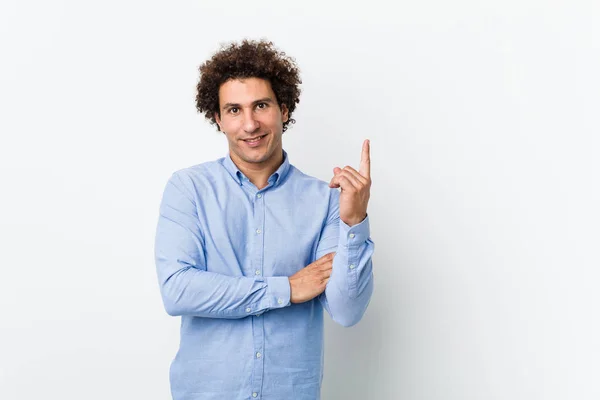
{"points": [[249, 110]]}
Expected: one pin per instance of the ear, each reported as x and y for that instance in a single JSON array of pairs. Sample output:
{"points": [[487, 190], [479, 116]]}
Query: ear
{"points": [[218, 119], [284, 113]]}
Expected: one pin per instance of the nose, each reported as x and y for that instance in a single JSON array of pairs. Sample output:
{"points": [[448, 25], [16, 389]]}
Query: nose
{"points": [[250, 123]]}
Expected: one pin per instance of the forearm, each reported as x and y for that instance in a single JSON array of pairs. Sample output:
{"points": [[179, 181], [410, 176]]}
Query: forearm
{"points": [[350, 287], [200, 293], [188, 285]]}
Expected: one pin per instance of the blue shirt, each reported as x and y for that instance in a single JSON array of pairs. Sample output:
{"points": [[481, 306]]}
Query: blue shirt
{"points": [[224, 251]]}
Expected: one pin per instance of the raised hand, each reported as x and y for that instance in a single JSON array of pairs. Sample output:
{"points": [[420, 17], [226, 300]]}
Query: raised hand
{"points": [[355, 188]]}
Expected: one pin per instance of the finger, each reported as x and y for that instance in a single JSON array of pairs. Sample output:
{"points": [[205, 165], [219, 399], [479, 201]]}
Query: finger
{"points": [[326, 258], [365, 159], [326, 267], [335, 182], [356, 181], [336, 172], [356, 175], [343, 180], [345, 183]]}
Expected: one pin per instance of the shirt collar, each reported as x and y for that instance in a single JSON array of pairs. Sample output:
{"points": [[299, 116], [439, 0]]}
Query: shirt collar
{"points": [[275, 179]]}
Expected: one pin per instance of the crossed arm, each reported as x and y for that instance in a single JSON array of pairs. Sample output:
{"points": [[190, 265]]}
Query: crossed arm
{"points": [[187, 288]]}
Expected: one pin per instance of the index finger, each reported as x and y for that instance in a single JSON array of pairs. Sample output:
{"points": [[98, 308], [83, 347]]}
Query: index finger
{"points": [[325, 258], [365, 159]]}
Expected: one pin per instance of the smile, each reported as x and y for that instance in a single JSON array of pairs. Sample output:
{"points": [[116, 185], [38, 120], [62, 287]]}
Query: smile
{"points": [[254, 140]]}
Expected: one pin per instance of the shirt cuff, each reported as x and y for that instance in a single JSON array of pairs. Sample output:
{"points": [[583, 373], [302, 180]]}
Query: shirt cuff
{"points": [[355, 235], [278, 291]]}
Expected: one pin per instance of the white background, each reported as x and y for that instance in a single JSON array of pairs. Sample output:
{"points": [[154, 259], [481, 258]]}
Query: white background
{"points": [[484, 121]]}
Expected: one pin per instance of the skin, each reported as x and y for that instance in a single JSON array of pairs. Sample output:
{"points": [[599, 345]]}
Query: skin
{"points": [[355, 188], [248, 109]]}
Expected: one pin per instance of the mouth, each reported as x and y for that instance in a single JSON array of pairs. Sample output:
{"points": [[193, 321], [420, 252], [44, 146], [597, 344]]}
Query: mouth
{"points": [[254, 141]]}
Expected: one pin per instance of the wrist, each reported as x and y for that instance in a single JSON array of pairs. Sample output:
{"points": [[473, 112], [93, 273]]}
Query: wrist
{"points": [[354, 221], [291, 290]]}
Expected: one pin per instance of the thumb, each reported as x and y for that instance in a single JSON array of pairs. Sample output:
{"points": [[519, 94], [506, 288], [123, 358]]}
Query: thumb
{"points": [[333, 183]]}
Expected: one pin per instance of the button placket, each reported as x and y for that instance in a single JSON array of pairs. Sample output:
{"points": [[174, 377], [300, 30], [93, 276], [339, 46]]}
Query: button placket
{"points": [[258, 323]]}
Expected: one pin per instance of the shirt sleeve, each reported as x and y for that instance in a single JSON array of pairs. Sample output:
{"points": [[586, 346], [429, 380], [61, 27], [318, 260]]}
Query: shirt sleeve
{"points": [[186, 286], [350, 286]]}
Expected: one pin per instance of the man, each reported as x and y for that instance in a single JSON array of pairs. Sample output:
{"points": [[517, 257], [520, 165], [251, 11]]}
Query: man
{"points": [[249, 250]]}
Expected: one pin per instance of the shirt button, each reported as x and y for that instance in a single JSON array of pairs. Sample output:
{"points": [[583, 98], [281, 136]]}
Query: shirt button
{"points": [[352, 266], [248, 309], [259, 195], [254, 394], [280, 301], [258, 231], [257, 272], [258, 355], [352, 236]]}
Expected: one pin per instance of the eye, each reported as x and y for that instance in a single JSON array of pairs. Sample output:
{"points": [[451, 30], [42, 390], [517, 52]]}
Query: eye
{"points": [[261, 106], [233, 110]]}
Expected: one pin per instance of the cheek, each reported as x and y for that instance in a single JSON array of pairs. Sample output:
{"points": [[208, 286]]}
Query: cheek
{"points": [[275, 119], [229, 125]]}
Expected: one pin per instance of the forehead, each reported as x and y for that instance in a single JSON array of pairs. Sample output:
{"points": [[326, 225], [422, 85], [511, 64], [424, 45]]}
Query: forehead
{"points": [[244, 91]]}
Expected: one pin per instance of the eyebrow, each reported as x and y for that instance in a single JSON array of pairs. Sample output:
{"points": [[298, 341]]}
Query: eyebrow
{"points": [[255, 102]]}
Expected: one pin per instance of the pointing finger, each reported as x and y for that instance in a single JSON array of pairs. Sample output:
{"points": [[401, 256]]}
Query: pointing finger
{"points": [[365, 159]]}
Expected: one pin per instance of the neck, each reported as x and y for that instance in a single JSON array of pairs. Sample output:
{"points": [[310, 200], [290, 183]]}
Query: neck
{"points": [[259, 173]]}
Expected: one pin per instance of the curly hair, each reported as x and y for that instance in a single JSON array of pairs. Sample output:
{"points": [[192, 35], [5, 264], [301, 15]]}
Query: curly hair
{"points": [[248, 59]]}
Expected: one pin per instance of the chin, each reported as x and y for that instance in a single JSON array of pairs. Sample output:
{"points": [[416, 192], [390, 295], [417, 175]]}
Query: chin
{"points": [[253, 158], [258, 159]]}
